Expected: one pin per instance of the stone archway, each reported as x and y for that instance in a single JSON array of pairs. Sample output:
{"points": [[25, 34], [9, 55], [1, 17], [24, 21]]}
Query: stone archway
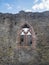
{"points": [[27, 36]]}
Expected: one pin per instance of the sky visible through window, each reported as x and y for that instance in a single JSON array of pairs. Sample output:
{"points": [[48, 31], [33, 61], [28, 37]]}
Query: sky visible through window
{"points": [[25, 30], [14, 6]]}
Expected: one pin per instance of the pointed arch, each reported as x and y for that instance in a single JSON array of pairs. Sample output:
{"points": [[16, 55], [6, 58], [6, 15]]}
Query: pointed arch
{"points": [[27, 35]]}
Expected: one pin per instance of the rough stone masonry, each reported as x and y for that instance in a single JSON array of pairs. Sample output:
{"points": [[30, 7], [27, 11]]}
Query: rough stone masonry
{"points": [[12, 51]]}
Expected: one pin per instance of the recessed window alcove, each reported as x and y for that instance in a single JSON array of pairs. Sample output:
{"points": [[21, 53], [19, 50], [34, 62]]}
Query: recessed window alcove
{"points": [[27, 35]]}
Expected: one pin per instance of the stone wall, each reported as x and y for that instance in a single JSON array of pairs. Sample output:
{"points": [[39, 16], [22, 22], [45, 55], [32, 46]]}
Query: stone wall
{"points": [[9, 26]]}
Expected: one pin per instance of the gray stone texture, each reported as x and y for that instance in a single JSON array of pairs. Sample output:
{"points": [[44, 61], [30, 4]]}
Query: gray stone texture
{"points": [[9, 25]]}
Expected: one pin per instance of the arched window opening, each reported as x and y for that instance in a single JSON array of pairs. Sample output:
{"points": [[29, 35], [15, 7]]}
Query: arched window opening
{"points": [[25, 36]]}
